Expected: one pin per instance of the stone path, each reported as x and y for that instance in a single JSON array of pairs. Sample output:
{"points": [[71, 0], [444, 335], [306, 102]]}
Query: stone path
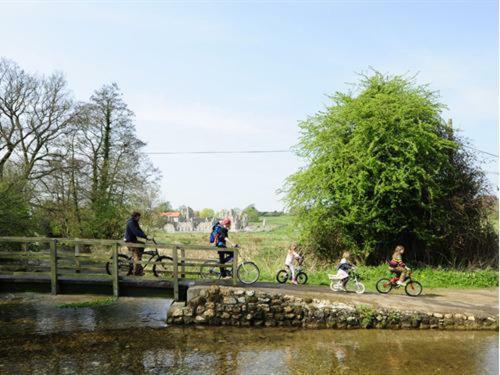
{"points": [[478, 302]]}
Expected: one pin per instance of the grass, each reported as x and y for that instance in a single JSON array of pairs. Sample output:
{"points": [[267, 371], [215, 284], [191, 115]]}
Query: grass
{"points": [[268, 250], [92, 303]]}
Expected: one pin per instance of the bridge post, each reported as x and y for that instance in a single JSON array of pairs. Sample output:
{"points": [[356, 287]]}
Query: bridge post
{"points": [[235, 266], [183, 264], [114, 273], [77, 257], [176, 274], [53, 267]]}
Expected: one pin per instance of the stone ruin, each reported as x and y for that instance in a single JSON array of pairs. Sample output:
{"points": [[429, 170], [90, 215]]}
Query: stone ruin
{"points": [[188, 222]]}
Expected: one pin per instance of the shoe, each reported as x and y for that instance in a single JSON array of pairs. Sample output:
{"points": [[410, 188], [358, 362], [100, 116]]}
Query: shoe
{"points": [[399, 283], [294, 282]]}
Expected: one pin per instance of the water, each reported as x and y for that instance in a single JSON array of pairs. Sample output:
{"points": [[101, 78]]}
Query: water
{"points": [[130, 337]]}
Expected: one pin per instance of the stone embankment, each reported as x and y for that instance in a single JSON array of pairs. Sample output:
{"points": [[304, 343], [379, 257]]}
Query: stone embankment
{"points": [[216, 306]]}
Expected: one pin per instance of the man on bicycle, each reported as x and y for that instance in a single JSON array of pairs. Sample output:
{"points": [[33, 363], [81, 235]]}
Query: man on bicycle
{"points": [[221, 237], [132, 231]]}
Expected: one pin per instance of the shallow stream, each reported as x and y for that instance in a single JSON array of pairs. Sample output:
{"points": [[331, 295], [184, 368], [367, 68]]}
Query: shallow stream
{"points": [[130, 337]]}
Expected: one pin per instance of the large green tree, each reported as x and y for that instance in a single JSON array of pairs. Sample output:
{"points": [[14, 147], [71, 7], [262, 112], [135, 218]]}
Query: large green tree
{"points": [[384, 168]]}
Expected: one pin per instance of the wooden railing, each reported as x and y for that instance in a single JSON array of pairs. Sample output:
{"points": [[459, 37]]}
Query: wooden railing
{"points": [[66, 257]]}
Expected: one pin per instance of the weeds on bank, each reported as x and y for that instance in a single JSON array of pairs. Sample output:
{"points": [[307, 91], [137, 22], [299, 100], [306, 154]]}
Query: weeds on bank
{"points": [[92, 303]]}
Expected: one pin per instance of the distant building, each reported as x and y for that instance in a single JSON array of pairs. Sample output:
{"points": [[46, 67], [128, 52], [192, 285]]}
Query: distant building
{"points": [[172, 217]]}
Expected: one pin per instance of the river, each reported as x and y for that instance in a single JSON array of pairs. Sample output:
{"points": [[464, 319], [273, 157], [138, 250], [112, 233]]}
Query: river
{"points": [[38, 336]]}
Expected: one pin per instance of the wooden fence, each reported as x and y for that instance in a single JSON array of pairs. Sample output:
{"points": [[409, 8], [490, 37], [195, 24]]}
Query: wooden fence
{"points": [[28, 256]]}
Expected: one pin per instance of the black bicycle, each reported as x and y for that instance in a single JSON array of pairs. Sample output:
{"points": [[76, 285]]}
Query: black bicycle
{"points": [[283, 275], [247, 272], [162, 265]]}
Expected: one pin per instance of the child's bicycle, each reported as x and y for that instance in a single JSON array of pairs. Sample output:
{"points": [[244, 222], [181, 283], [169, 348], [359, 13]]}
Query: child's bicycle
{"points": [[412, 287], [353, 284], [247, 272], [285, 274]]}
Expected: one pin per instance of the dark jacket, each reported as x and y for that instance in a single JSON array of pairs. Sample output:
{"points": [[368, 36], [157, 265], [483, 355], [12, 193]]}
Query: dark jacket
{"points": [[133, 231]]}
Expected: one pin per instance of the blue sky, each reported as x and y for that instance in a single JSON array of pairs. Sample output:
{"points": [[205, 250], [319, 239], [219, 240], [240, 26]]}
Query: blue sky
{"points": [[240, 75]]}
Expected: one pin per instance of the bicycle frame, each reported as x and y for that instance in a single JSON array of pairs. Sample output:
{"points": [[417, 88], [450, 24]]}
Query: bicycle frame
{"points": [[396, 278]]}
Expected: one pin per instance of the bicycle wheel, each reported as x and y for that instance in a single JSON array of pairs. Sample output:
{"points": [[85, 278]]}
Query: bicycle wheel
{"points": [[333, 286], [282, 276], [384, 286], [210, 270], [302, 278], [124, 265], [163, 267], [248, 272], [355, 286], [413, 288]]}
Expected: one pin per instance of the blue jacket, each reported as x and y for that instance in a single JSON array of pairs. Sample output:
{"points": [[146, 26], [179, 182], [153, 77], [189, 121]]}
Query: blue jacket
{"points": [[133, 231]]}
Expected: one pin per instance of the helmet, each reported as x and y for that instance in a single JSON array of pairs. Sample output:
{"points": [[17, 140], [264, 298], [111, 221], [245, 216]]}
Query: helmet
{"points": [[226, 221]]}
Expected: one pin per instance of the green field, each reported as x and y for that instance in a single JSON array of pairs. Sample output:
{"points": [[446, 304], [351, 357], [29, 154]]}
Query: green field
{"points": [[268, 250]]}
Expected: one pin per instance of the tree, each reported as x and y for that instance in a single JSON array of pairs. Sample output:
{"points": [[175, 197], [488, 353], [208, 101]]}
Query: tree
{"points": [[206, 213], [252, 213], [34, 113], [384, 168]]}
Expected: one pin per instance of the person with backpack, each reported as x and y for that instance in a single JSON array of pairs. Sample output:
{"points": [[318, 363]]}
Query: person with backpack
{"points": [[132, 231], [219, 237]]}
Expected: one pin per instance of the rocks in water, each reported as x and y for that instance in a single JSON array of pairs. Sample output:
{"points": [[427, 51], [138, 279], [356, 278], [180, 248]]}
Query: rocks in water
{"points": [[238, 307]]}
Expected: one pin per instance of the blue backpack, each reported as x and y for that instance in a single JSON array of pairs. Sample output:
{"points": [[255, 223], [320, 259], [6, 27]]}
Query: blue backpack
{"points": [[214, 236]]}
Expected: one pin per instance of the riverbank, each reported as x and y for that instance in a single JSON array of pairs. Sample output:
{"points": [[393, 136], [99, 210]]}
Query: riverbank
{"points": [[268, 250], [227, 306]]}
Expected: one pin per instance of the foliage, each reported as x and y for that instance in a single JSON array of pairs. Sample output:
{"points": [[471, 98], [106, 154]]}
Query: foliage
{"points": [[79, 167], [252, 213], [15, 218], [206, 213], [384, 168]]}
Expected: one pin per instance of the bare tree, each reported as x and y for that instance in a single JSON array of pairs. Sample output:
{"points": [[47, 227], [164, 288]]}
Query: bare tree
{"points": [[34, 113]]}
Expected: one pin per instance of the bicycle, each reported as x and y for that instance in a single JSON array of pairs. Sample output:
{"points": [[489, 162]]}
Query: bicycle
{"points": [[353, 284], [161, 263], [284, 274], [413, 288], [247, 272]]}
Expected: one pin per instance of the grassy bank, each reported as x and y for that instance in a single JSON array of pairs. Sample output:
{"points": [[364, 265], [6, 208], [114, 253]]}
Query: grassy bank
{"points": [[268, 250]]}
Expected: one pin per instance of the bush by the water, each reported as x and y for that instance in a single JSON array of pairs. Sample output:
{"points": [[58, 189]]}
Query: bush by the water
{"points": [[383, 169]]}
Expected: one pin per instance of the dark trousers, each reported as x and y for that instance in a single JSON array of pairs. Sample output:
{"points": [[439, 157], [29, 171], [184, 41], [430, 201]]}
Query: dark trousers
{"points": [[224, 257], [137, 260]]}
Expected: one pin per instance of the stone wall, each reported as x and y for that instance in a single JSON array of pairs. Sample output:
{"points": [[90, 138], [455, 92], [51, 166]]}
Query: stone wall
{"points": [[245, 307]]}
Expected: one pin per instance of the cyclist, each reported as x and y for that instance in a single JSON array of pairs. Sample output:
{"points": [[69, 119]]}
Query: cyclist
{"points": [[290, 256], [132, 231], [397, 266], [343, 270], [221, 239]]}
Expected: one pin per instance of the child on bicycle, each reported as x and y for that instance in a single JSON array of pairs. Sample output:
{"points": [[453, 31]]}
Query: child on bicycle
{"points": [[397, 266], [290, 257], [343, 270]]}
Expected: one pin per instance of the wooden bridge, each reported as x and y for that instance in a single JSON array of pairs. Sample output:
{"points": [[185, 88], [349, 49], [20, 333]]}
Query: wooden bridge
{"points": [[62, 265]]}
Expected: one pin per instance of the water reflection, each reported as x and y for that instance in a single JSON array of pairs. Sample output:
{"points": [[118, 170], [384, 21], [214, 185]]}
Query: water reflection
{"points": [[116, 340]]}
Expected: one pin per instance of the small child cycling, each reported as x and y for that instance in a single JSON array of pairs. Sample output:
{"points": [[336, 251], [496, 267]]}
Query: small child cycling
{"points": [[397, 266], [290, 257], [343, 270]]}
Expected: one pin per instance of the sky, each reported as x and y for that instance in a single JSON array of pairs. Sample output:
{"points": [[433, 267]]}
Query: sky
{"points": [[228, 75]]}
